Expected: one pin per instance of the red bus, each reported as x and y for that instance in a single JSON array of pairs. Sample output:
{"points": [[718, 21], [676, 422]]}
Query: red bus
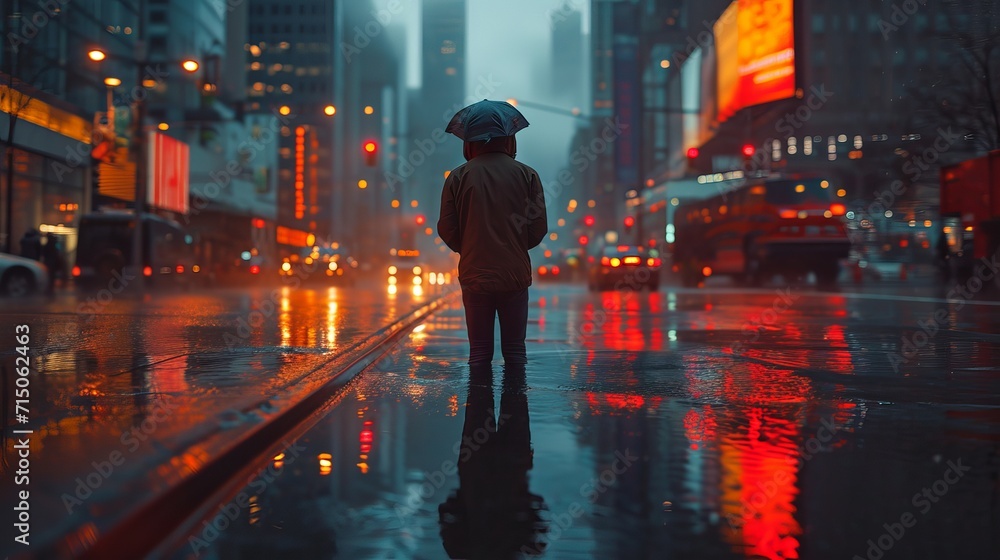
{"points": [[763, 227]]}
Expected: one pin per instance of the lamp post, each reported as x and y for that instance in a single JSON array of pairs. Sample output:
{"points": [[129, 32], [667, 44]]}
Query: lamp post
{"points": [[138, 141]]}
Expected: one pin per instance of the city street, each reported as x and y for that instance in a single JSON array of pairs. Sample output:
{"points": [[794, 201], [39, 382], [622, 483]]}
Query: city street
{"points": [[646, 423], [745, 255]]}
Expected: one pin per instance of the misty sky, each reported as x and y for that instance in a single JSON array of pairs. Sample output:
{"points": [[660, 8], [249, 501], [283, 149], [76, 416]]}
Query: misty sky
{"points": [[511, 41]]}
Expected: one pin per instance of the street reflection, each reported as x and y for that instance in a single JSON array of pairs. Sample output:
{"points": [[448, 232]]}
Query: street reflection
{"points": [[493, 514]]}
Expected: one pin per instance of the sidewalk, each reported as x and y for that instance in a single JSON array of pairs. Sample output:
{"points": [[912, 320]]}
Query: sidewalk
{"points": [[126, 411]]}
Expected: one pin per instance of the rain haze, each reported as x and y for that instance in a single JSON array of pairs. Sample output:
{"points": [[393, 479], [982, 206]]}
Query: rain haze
{"points": [[513, 42], [745, 264]]}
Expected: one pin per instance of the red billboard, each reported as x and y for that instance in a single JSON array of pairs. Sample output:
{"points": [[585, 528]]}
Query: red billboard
{"points": [[169, 173], [761, 67]]}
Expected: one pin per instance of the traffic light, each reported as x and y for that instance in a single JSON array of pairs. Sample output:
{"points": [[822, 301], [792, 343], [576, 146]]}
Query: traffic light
{"points": [[692, 159], [370, 148], [589, 221], [584, 240], [629, 222], [748, 152]]}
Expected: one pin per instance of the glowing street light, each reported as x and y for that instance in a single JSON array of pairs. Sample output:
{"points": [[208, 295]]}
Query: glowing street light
{"points": [[112, 82], [96, 55], [190, 65], [330, 110]]}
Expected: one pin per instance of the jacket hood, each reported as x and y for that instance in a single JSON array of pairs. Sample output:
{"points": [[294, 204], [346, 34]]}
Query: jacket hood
{"points": [[503, 144]]}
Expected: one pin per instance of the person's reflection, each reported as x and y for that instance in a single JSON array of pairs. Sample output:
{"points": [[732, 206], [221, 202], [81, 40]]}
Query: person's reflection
{"points": [[493, 514]]}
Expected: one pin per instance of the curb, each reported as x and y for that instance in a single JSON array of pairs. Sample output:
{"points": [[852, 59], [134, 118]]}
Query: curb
{"points": [[149, 526]]}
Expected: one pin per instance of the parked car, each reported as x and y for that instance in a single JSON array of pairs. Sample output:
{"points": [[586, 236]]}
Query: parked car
{"points": [[20, 277], [624, 266]]}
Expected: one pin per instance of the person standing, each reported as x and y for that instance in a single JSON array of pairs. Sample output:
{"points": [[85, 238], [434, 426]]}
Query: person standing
{"points": [[492, 213], [31, 245], [52, 258]]}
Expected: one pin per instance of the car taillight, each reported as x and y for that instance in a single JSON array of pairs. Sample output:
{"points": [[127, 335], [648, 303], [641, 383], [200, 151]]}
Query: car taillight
{"points": [[652, 262], [254, 269], [542, 271], [633, 260], [615, 262], [147, 271], [76, 271], [788, 214], [180, 269], [555, 270], [605, 261], [838, 209]]}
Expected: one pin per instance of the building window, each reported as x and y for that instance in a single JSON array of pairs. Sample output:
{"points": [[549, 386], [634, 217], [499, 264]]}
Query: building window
{"points": [[158, 44], [157, 16]]}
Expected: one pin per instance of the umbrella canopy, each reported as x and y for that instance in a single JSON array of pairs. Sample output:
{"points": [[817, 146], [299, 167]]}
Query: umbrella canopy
{"points": [[485, 120]]}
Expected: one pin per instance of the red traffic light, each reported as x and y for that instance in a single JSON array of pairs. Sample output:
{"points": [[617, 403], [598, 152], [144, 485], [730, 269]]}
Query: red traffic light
{"points": [[629, 221], [584, 240], [693, 153], [421, 219], [749, 150], [370, 149], [589, 221]]}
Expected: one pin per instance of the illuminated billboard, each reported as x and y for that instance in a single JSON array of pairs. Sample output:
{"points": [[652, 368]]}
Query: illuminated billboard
{"points": [[727, 60], [755, 43], [169, 173]]}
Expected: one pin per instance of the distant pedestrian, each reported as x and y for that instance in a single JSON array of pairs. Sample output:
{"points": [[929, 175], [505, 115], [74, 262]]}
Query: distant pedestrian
{"points": [[492, 213], [52, 258], [31, 245]]}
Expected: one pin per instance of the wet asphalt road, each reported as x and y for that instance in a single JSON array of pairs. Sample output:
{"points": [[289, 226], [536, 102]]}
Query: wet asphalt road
{"points": [[715, 423], [134, 381]]}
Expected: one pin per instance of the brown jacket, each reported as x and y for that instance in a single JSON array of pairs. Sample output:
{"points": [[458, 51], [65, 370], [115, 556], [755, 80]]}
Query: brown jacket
{"points": [[492, 212]]}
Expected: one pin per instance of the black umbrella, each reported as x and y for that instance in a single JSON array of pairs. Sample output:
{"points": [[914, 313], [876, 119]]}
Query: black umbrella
{"points": [[485, 120]]}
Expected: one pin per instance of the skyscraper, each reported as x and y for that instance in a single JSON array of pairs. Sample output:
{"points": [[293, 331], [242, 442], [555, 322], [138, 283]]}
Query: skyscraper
{"points": [[291, 59], [567, 56], [442, 93]]}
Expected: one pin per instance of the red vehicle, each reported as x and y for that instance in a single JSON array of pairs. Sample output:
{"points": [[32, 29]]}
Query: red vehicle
{"points": [[970, 213], [766, 226]]}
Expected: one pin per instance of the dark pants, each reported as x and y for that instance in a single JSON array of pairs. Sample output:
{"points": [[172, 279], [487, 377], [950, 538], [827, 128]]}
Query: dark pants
{"points": [[481, 311]]}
